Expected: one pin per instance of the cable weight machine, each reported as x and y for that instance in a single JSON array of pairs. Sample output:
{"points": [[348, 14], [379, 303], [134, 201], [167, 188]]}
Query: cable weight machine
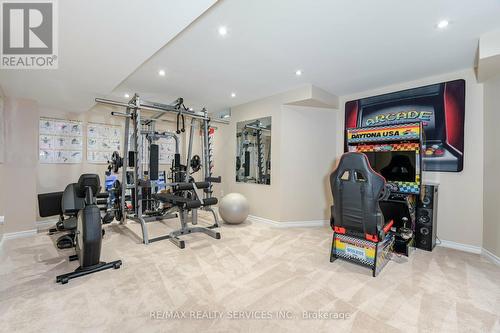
{"points": [[182, 199], [252, 150]]}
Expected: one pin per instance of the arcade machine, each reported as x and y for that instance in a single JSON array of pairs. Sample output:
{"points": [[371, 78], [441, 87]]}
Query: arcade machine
{"points": [[395, 153], [439, 107]]}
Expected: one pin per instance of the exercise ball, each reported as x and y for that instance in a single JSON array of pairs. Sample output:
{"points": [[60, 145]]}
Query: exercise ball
{"points": [[234, 208]]}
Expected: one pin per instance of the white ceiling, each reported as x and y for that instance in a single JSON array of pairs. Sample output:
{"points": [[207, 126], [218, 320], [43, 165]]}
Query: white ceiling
{"points": [[100, 43], [342, 46]]}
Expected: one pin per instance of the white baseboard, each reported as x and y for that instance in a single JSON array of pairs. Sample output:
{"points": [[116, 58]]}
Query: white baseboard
{"points": [[290, 224], [461, 247], [490, 256], [46, 224], [40, 226], [19, 234]]}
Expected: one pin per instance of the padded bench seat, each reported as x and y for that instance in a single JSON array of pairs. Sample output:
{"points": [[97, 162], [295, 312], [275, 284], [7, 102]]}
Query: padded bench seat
{"points": [[183, 202], [177, 200], [210, 201]]}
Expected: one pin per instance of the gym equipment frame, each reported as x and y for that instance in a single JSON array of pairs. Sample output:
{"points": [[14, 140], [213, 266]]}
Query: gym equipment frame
{"points": [[253, 129], [138, 126]]}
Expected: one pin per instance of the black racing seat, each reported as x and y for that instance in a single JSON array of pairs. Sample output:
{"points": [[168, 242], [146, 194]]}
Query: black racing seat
{"points": [[356, 190]]}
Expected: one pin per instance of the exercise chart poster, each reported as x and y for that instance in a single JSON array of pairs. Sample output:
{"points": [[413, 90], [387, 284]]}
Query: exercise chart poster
{"points": [[102, 141], [167, 151], [441, 109], [60, 141]]}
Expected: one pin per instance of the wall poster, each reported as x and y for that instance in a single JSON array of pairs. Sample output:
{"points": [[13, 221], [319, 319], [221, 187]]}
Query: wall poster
{"points": [[60, 141], [441, 109], [102, 141]]}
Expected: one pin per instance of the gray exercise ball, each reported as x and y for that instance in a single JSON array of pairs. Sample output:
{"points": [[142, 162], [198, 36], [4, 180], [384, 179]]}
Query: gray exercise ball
{"points": [[234, 208]]}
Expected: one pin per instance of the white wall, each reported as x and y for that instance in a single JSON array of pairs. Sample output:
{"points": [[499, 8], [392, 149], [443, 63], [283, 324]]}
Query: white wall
{"points": [[489, 44], [491, 227], [302, 157], [2, 127], [307, 157], [460, 211], [2, 209], [19, 169], [2, 149], [264, 199]]}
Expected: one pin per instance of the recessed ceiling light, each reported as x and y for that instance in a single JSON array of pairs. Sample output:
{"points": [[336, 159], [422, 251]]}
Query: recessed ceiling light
{"points": [[298, 72], [126, 96], [443, 24], [233, 95], [161, 72], [222, 30]]}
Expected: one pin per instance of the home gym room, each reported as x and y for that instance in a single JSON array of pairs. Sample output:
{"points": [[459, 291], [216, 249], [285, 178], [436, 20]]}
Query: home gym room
{"points": [[253, 166]]}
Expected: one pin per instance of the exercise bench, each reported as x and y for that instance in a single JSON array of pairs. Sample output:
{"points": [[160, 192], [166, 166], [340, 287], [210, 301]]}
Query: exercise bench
{"points": [[184, 200]]}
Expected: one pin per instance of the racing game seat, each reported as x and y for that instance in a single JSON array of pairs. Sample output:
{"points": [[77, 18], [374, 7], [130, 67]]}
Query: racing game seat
{"points": [[357, 190]]}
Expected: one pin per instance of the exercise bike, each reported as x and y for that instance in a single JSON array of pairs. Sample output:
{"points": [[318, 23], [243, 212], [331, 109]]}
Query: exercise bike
{"points": [[65, 205], [88, 234]]}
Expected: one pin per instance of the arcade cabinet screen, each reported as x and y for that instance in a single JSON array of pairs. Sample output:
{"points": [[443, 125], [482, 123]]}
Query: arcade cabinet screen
{"points": [[394, 165]]}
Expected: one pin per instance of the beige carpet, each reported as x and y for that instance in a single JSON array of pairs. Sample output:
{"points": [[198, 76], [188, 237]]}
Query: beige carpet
{"points": [[268, 274]]}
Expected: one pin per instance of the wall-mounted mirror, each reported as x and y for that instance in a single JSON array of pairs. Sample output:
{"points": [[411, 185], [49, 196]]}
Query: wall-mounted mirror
{"points": [[253, 151]]}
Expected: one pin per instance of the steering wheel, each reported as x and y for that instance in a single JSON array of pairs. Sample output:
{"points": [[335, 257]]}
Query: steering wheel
{"points": [[385, 193]]}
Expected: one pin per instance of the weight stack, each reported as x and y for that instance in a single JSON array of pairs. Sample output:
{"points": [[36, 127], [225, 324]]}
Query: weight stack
{"points": [[426, 224]]}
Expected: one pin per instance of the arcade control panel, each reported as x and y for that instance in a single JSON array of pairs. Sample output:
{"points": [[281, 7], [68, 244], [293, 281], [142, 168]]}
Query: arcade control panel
{"points": [[438, 157]]}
